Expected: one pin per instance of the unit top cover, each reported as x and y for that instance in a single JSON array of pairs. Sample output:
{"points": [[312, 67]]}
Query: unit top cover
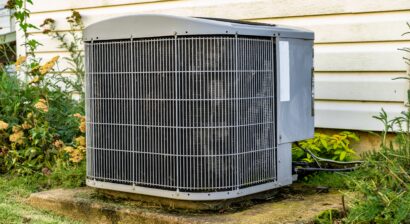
{"points": [[147, 25]]}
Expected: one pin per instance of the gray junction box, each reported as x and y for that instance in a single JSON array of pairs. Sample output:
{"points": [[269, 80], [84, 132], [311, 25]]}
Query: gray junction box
{"points": [[195, 108]]}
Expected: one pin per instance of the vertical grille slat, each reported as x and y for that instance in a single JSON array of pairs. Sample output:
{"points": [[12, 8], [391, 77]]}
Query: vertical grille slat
{"points": [[189, 114]]}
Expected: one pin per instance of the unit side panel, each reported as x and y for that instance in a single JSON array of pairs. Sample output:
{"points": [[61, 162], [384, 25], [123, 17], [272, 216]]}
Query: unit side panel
{"points": [[295, 96]]}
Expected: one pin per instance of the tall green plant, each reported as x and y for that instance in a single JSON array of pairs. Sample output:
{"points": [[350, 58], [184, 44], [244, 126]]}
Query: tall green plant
{"points": [[72, 42], [384, 180], [21, 14], [41, 126]]}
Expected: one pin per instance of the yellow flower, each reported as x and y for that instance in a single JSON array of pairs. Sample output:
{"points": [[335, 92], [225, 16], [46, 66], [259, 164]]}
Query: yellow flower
{"points": [[17, 137], [82, 127], [26, 125], [41, 105], [35, 80], [77, 115], [55, 59], [81, 149], [3, 125], [30, 115], [20, 60], [80, 141], [49, 65], [58, 144], [76, 155], [16, 128], [68, 149]]}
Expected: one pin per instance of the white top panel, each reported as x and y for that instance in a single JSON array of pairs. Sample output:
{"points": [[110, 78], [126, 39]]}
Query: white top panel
{"points": [[146, 25]]}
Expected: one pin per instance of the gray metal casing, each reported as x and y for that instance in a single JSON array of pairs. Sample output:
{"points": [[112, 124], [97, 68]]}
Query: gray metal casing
{"points": [[143, 26], [294, 116]]}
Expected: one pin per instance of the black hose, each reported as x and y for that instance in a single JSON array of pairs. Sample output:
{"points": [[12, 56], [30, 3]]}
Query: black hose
{"points": [[298, 163], [325, 169]]}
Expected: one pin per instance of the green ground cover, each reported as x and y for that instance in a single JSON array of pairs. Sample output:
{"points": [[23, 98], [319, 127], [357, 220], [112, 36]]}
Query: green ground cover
{"points": [[14, 190]]}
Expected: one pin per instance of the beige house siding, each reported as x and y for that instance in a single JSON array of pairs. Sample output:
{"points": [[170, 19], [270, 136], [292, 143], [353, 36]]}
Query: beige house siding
{"points": [[356, 46], [6, 23]]}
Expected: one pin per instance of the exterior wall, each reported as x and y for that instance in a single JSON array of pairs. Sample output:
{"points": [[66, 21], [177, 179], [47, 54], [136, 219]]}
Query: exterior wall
{"points": [[356, 45], [6, 23]]}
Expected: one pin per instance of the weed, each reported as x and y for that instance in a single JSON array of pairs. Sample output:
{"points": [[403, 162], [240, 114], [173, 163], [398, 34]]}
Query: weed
{"points": [[384, 179]]}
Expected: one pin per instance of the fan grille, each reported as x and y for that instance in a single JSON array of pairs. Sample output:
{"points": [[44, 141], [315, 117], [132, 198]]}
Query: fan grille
{"points": [[192, 114]]}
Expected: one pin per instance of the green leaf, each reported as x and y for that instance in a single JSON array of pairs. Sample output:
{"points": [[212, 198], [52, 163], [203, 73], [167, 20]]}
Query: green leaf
{"points": [[324, 143], [348, 150], [342, 155]]}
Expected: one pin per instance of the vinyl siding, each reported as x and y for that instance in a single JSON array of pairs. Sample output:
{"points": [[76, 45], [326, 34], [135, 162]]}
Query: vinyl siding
{"points": [[6, 24], [356, 44]]}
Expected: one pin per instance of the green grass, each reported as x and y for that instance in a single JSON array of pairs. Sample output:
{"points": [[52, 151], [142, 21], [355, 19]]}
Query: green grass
{"points": [[335, 180], [14, 190]]}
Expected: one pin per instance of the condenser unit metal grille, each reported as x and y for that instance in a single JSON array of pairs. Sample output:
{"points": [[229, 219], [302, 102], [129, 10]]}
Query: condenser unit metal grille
{"points": [[189, 114]]}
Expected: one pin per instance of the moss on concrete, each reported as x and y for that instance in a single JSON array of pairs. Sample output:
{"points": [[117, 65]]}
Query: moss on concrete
{"points": [[296, 204]]}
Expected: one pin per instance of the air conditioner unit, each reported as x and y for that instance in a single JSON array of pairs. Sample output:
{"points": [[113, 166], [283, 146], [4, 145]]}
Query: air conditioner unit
{"points": [[195, 108]]}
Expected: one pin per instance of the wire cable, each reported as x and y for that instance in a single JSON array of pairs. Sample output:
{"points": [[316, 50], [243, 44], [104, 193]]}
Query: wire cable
{"points": [[327, 160], [325, 169]]}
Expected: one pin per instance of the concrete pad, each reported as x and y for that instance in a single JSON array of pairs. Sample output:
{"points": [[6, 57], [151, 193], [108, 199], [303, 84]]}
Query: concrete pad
{"points": [[291, 205]]}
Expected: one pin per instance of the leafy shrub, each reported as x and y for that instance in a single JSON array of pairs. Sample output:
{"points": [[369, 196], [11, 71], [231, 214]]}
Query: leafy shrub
{"points": [[41, 125], [384, 183], [37, 123], [67, 176], [335, 147]]}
